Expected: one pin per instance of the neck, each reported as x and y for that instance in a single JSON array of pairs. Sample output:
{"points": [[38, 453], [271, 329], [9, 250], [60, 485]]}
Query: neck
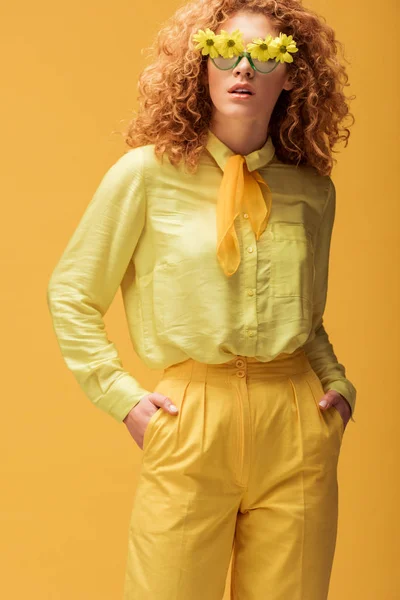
{"points": [[242, 138]]}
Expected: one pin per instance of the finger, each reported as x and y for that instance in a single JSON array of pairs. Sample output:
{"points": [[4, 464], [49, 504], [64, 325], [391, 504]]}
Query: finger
{"points": [[324, 403], [331, 398], [163, 402]]}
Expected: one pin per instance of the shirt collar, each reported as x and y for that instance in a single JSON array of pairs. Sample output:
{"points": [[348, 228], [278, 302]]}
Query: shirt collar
{"points": [[255, 160]]}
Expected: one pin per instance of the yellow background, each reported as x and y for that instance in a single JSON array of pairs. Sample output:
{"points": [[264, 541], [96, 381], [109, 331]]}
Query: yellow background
{"points": [[69, 74]]}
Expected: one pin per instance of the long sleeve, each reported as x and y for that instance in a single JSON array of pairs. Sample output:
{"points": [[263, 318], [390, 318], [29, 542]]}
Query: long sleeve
{"points": [[319, 349], [86, 279]]}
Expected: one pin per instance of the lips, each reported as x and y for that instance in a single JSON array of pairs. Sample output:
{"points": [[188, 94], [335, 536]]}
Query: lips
{"points": [[242, 86], [240, 92]]}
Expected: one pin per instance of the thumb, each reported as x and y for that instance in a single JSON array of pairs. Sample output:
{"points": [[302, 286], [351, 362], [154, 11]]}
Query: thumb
{"points": [[164, 402], [327, 401]]}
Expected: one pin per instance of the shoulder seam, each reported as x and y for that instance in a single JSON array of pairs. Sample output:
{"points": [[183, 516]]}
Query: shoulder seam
{"points": [[329, 193], [144, 186]]}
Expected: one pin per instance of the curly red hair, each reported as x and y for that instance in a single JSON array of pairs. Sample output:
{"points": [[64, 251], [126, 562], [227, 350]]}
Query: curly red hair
{"points": [[175, 107]]}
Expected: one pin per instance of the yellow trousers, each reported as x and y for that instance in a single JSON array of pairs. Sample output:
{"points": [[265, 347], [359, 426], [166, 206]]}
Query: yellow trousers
{"points": [[249, 465]]}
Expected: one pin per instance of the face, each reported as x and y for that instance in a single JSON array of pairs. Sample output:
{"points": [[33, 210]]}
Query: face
{"points": [[267, 87]]}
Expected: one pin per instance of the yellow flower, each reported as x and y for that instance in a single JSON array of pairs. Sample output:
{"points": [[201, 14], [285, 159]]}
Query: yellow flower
{"points": [[259, 49], [281, 47], [229, 44], [206, 42]]}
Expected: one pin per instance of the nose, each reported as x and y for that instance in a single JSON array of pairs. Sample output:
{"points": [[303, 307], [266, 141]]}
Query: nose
{"points": [[244, 66]]}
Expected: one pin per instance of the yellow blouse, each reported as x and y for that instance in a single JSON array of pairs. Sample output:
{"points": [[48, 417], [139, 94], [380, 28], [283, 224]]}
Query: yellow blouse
{"points": [[150, 228]]}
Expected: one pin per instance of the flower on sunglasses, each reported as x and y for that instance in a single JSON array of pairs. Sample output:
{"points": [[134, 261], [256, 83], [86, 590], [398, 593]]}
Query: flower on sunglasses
{"points": [[229, 44], [206, 42], [259, 48], [282, 46]]}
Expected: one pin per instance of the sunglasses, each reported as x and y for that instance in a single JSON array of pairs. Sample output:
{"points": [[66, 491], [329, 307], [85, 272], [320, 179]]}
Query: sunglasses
{"points": [[225, 64], [226, 50]]}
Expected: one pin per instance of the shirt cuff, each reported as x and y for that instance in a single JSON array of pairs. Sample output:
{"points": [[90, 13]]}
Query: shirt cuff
{"points": [[123, 395], [343, 388]]}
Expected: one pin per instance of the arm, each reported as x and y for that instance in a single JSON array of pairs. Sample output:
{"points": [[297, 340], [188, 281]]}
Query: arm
{"points": [[318, 348], [86, 279]]}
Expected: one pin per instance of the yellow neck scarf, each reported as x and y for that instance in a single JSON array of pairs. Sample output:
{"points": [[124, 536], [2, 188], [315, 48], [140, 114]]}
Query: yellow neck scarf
{"points": [[240, 189]]}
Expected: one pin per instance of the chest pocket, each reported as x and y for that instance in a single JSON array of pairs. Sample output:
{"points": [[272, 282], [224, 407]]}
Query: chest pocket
{"points": [[292, 261]]}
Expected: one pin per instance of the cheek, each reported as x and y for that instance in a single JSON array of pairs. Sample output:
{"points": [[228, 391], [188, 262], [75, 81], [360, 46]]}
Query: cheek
{"points": [[271, 88], [217, 84]]}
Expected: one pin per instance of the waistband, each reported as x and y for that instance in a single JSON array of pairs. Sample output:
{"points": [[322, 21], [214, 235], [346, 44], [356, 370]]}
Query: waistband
{"points": [[283, 364]]}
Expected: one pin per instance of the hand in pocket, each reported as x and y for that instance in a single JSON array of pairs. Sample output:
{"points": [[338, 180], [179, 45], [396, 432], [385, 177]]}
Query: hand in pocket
{"points": [[138, 418]]}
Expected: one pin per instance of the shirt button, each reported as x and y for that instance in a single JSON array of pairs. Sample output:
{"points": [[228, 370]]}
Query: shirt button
{"points": [[240, 362], [250, 293], [240, 373], [245, 215], [250, 249], [251, 333]]}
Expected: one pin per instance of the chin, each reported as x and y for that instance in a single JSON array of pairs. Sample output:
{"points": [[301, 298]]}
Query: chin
{"points": [[236, 111]]}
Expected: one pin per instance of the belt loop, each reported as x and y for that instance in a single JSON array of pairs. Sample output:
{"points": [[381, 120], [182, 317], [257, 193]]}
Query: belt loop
{"points": [[198, 371]]}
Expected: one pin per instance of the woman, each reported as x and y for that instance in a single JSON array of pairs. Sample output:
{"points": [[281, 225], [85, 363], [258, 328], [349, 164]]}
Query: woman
{"points": [[217, 225]]}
